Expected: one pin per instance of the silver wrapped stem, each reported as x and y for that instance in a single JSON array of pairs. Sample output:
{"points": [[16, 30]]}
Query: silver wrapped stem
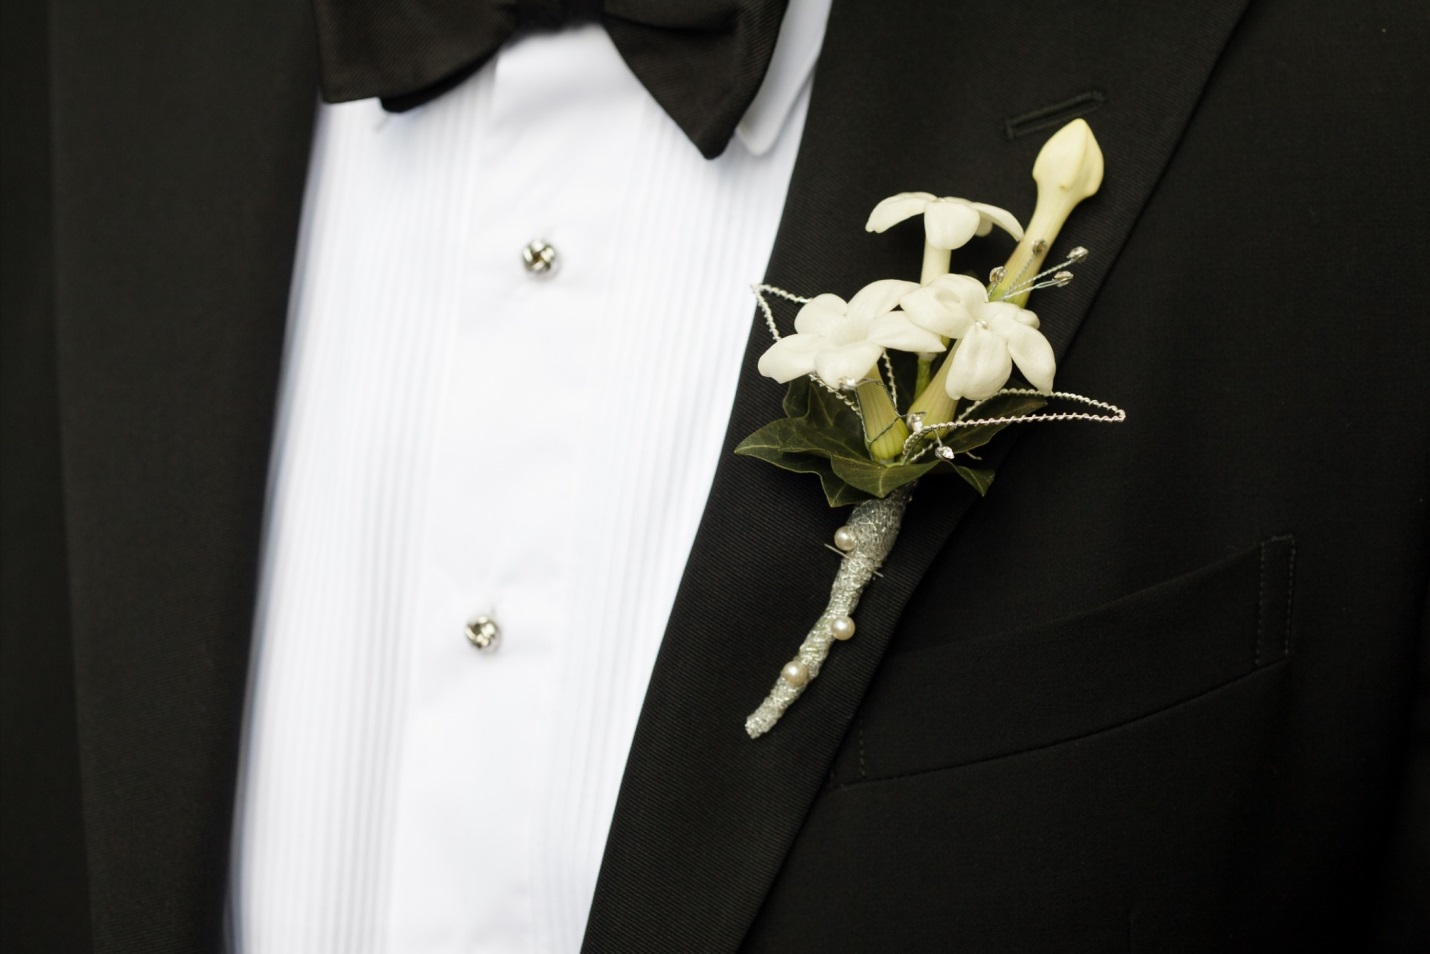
{"points": [[873, 527]]}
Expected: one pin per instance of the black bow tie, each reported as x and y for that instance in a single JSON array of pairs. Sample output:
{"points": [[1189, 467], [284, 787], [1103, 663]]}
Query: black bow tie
{"points": [[702, 60]]}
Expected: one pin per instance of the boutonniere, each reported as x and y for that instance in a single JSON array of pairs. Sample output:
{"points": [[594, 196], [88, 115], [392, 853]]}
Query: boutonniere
{"points": [[956, 338]]}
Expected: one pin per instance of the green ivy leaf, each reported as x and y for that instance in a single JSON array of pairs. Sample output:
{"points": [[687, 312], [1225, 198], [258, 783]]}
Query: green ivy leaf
{"points": [[878, 480], [836, 491], [823, 436], [798, 436], [822, 409], [843, 466], [980, 477]]}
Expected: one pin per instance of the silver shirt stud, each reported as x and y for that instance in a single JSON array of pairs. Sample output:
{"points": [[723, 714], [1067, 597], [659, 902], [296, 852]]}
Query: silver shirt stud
{"points": [[539, 257], [484, 633]]}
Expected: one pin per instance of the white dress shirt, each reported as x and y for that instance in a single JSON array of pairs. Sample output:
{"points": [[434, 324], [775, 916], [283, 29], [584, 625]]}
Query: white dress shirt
{"points": [[458, 437]]}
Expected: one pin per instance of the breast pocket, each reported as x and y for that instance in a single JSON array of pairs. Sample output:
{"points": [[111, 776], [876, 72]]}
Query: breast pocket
{"points": [[998, 695]]}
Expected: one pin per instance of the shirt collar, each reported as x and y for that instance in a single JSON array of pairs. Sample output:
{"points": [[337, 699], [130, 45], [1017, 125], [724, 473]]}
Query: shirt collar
{"points": [[796, 50]]}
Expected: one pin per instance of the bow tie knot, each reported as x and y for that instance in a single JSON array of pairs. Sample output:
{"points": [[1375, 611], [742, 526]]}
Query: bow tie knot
{"points": [[702, 60]]}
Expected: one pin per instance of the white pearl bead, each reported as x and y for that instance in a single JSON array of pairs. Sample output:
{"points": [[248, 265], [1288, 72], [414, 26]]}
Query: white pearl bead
{"points": [[842, 627], [795, 673], [844, 539]]}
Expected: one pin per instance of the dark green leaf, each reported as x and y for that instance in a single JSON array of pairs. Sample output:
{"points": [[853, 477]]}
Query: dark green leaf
{"points": [[812, 402], [796, 402], [980, 477], [822, 436], [800, 437], [836, 491], [878, 480]]}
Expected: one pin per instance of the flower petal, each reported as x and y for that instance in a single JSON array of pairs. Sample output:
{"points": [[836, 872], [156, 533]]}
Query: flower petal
{"points": [[895, 330], [950, 223], [1028, 348], [852, 361], [895, 209], [874, 299], [991, 215], [970, 291], [790, 357], [980, 365], [819, 314], [938, 309], [1026, 317]]}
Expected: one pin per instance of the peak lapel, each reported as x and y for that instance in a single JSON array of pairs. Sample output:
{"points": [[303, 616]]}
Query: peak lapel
{"points": [[905, 98], [181, 140]]}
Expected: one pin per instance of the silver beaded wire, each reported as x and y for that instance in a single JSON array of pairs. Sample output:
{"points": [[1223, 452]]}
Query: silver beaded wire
{"points": [[912, 451]]}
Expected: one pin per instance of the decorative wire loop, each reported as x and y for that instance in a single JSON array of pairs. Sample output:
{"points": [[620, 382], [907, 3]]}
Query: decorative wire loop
{"points": [[761, 291], [893, 384], [769, 313], [1113, 415]]}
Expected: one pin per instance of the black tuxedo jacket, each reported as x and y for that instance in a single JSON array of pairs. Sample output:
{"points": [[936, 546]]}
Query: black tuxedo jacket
{"points": [[1158, 691]]}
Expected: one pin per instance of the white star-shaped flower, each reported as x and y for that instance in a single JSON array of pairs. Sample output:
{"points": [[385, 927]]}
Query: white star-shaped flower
{"points": [[993, 336], [840, 341], [949, 222]]}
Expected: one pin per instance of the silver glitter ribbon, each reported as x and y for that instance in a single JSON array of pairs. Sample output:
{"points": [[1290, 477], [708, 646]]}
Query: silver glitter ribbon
{"points": [[874, 526]]}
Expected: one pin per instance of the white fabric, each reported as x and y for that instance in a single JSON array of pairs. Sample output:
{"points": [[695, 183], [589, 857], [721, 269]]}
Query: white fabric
{"points": [[457, 437]]}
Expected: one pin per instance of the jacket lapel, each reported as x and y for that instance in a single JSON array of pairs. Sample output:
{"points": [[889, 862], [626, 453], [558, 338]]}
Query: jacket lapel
{"points": [[181, 141], [907, 96]]}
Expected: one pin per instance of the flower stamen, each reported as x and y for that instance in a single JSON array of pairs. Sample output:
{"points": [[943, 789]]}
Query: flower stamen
{"points": [[1061, 276]]}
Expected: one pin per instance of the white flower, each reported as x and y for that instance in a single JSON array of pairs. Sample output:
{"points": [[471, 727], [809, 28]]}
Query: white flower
{"points": [[993, 336], [948, 222], [840, 341], [945, 305]]}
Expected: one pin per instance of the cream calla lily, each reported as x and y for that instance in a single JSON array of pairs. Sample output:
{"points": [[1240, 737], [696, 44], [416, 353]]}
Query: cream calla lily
{"points": [[1068, 169], [841, 341]]}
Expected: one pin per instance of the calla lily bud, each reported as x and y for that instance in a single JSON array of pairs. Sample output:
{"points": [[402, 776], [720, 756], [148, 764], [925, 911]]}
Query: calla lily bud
{"points": [[1068, 170]]}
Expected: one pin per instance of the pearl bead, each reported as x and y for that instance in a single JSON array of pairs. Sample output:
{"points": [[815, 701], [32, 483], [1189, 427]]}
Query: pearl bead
{"points": [[795, 673], [844, 539], [842, 627]]}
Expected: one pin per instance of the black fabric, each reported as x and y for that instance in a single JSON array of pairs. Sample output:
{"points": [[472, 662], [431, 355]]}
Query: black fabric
{"points": [[1206, 310], [702, 60], [179, 142], [1163, 689], [43, 886]]}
